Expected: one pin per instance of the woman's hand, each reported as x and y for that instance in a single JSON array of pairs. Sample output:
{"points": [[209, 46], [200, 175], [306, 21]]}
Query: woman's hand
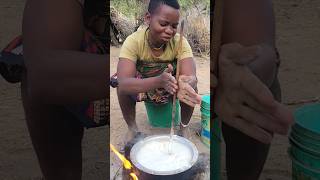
{"points": [[186, 92], [167, 81], [243, 101]]}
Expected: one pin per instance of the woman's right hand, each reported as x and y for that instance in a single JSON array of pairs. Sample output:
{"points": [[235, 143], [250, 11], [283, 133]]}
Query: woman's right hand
{"points": [[243, 101], [167, 81]]}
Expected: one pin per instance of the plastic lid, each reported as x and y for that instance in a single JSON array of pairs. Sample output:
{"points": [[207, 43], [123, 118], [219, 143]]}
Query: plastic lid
{"points": [[308, 117]]}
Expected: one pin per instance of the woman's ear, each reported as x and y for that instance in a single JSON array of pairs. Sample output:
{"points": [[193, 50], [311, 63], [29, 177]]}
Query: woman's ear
{"points": [[147, 18]]}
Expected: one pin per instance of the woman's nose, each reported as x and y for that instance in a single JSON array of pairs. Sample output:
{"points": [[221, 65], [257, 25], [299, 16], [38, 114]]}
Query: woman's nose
{"points": [[169, 31]]}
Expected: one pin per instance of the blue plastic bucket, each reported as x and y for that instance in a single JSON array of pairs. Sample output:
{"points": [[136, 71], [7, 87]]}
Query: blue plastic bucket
{"points": [[205, 120]]}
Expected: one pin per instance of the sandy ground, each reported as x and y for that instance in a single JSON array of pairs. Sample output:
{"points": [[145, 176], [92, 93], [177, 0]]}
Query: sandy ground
{"points": [[298, 30], [17, 157]]}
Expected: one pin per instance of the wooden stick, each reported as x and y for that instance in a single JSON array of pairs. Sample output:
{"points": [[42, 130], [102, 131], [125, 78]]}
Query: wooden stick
{"points": [[177, 78], [304, 101]]}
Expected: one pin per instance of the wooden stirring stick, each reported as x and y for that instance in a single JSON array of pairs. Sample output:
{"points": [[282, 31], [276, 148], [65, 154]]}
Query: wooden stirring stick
{"points": [[177, 78]]}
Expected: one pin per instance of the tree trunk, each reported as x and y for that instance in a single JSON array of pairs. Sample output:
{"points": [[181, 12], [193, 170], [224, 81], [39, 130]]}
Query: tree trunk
{"points": [[122, 26]]}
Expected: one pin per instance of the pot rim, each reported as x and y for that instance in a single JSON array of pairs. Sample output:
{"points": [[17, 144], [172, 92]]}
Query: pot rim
{"points": [[183, 140]]}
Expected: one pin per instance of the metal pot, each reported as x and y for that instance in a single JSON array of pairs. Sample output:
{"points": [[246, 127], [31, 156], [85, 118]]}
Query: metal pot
{"points": [[145, 173]]}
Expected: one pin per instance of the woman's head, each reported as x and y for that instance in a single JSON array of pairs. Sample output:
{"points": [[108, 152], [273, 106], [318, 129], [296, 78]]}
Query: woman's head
{"points": [[163, 19]]}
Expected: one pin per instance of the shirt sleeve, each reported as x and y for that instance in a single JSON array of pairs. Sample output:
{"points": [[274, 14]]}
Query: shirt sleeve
{"points": [[186, 51], [129, 49]]}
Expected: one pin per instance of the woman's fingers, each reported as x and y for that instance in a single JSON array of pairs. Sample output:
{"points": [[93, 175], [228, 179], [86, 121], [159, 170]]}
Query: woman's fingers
{"points": [[172, 79], [264, 102], [283, 114], [252, 85], [169, 69], [185, 99], [261, 120], [174, 86], [189, 100]]}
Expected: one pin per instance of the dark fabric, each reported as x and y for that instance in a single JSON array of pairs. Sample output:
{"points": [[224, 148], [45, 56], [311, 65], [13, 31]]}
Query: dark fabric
{"points": [[91, 114], [148, 69]]}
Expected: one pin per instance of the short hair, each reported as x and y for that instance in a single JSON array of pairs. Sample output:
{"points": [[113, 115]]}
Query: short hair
{"points": [[154, 4]]}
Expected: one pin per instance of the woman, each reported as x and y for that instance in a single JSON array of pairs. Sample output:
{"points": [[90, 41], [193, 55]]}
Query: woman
{"points": [[153, 53], [64, 83]]}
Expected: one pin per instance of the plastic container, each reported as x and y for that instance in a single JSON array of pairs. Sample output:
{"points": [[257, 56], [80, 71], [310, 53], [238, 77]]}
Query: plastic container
{"points": [[301, 171], [205, 130], [215, 154], [205, 120], [161, 115], [305, 143], [305, 158]]}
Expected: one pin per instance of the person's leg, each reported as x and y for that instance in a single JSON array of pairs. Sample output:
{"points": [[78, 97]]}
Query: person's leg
{"points": [[245, 157], [128, 109], [56, 137], [186, 114]]}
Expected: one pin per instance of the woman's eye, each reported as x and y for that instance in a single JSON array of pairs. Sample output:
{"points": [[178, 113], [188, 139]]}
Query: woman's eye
{"points": [[163, 24]]}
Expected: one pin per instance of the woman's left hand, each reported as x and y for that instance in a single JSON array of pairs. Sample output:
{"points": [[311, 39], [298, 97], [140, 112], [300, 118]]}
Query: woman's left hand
{"points": [[186, 91]]}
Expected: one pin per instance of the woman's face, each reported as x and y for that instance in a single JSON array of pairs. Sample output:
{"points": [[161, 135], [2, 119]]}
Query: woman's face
{"points": [[163, 23]]}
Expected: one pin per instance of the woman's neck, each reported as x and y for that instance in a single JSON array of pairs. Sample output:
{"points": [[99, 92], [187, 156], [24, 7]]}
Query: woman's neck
{"points": [[154, 44]]}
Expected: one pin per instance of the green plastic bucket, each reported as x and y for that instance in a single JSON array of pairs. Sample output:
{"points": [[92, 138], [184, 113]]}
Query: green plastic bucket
{"points": [[306, 149], [308, 143], [305, 133], [303, 172], [305, 158], [305, 143], [160, 116], [205, 111], [307, 117], [215, 153], [205, 129], [205, 120], [205, 102]]}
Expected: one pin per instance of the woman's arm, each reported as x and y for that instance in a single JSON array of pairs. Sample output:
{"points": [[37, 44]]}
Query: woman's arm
{"points": [[57, 72], [187, 92], [251, 22], [128, 84], [243, 99]]}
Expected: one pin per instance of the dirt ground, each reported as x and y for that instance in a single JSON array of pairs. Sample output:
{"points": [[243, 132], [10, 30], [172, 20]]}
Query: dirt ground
{"points": [[298, 41]]}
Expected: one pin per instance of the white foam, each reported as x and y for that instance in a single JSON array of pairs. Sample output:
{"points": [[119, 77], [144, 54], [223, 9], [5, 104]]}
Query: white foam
{"points": [[164, 155]]}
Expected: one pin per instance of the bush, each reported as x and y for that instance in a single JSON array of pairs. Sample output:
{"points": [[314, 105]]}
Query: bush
{"points": [[196, 14]]}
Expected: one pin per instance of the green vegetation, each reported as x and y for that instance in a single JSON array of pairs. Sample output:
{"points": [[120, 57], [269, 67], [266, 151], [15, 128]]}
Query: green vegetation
{"points": [[131, 8]]}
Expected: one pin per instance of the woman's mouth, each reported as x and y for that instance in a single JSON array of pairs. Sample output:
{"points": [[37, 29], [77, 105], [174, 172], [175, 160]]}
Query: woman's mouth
{"points": [[166, 38]]}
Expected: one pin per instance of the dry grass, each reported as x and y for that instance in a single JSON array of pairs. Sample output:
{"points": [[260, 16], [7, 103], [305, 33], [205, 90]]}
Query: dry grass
{"points": [[198, 33], [197, 29]]}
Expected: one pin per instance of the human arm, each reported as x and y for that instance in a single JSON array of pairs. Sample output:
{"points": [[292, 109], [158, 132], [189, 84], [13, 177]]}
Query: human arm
{"points": [[128, 84], [57, 72], [243, 99], [251, 22], [187, 91]]}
